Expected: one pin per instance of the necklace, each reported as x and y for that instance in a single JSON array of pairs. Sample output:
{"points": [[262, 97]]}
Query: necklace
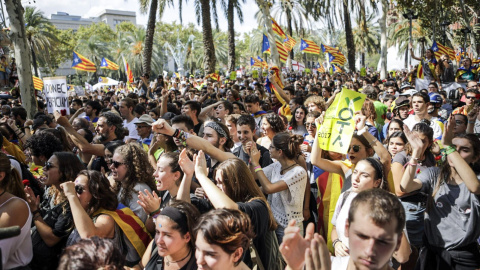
{"points": [[3, 192], [169, 262], [286, 169]]}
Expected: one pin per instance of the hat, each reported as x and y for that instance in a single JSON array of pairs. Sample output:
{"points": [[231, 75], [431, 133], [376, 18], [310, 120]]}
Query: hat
{"points": [[409, 92], [399, 102], [145, 119], [168, 116], [435, 98], [405, 85]]}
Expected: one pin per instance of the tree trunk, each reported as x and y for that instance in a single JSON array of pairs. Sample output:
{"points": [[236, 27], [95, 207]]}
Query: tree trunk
{"points": [[406, 59], [15, 12], [208, 46], [34, 59], [383, 40], [349, 37], [290, 29], [147, 50], [231, 36], [362, 59], [265, 9]]}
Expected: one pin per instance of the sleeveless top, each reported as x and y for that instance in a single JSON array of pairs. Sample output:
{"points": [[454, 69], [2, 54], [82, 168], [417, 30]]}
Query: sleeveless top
{"points": [[75, 237], [17, 251], [156, 261]]}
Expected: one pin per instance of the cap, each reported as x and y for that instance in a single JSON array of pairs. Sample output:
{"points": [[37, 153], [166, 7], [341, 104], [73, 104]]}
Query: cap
{"points": [[405, 85], [145, 119], [435, 98], [409, 92], [399, 102]]}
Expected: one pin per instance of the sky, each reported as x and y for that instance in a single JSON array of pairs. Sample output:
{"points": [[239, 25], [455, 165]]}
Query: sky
{"points": [[91, 8]]}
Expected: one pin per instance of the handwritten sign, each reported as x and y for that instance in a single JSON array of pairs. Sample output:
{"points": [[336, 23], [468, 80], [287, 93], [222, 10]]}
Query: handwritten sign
{"points": [[338, 125], [56, 94]]}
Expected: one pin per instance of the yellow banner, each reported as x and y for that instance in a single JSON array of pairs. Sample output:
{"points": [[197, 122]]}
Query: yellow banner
{"points": [[255, 74], [338, 125]]}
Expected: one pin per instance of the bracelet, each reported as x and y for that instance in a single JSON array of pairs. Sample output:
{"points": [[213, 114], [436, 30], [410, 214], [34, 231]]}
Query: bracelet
{"points": [[35, 218], [411, 164], [36, 212], [259, 169], [448, 150], [255, 168], [374, 140], [361, 131], [335, 242], [155, 212], [471, 122], [175, 134]]}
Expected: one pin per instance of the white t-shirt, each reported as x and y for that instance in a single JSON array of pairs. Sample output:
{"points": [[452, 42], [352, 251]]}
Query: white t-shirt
{"points": [[287, 204], [340, 216], [132, 130], [437, 130]]}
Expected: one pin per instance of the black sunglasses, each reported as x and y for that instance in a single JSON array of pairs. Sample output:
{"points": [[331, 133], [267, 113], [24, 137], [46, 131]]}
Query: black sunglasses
{"points": [[49, 165], [116, 164], [355, 148], [310, 124], [470, 97], [79, 189]]}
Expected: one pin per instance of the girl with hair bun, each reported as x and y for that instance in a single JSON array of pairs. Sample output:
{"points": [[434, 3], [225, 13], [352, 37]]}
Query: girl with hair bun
{"points": [[284, 181], [227, 234]]}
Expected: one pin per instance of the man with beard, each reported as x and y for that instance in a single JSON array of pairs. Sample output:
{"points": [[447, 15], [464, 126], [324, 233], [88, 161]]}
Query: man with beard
{"points": [[19, 114], [109, 128], [92, 110]]}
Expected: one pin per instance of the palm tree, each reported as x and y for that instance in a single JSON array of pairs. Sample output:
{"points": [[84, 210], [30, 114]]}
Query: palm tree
{"points": [[39, 33], [229, 8], [155, 5], [366, 37]]}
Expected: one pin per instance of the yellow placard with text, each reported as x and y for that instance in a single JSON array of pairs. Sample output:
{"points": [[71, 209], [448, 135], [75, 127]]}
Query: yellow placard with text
{"points": [[255, 74], [338, 125]]}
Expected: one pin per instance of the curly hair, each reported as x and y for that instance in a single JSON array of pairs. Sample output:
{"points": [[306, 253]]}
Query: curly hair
{"points": [[61, 134], [368, 109], [43, 144], [227, 228], [276, 123], [318, 100], [102, 195], [114, 119], [92, 253], [138, 170]]}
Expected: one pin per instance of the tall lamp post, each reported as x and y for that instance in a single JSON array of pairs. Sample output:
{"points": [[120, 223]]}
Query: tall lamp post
{"points": [[410, 15], [465, 32], [444, 25]]}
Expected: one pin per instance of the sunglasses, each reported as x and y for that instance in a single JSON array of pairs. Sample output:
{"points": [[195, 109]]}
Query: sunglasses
{"points": [[310, 125], [79, 190], [470, 97], [355, 148], [49, 165], [142, 126], [116, 164]]}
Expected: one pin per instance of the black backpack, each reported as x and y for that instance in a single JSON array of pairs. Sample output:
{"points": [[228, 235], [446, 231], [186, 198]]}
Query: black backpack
{"points": [[27, 175]]}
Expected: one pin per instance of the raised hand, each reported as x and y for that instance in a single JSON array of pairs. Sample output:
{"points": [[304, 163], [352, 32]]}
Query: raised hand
{"points": [[448, 131], [360, 121], [317, 256], [185, 163], [68, 188], [341, 250], [149, 201], [200, 164], [32, 200], [418, 146], [161, 126], [293, 246], [253, 153]]}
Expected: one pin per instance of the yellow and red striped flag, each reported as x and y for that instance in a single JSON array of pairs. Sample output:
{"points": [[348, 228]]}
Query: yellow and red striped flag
{"points": [[278, 30], [439, 49], [37, 83], [128, 71], [283, 54], [255, 63], [107, 64], [82, 63], [264, 63], [308, 46], [420, 72], [213, 76], [289, 43]]}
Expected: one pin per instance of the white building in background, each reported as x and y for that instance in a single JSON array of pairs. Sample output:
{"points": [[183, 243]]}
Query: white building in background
{"points": [[65, 21]]}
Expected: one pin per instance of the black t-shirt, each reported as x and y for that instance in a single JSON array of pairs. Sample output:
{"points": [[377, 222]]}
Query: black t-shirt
{"points": [[265, 159]]}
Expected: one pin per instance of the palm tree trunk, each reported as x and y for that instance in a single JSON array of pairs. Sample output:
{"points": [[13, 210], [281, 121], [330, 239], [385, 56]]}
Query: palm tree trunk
{"points": [[290, 29], [34, 59], [349, 37], [147, 50], [17, 34], [231, 36], [208, 47], [383, 40], [362, 59]]}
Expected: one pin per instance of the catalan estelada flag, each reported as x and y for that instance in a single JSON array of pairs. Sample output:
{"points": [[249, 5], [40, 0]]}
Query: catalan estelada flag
{"points": [[82, 63], [308, 46], [420, 74], [128, 71], [37, 83], [320, 68], [102, 79], [265, 45], [289, 43], [336, 68], [107, 64], [329, 49], [278, 30], [214, 76], [439, 49], [70, 87], [255, 63], [131, 226], [335, 60], [264, 63], [283, 54]]}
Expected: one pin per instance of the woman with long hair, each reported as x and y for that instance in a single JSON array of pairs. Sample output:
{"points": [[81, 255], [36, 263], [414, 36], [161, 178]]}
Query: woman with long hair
{"points": [[226, 233], [428, 63], [132, 173], [271, 125], [174, 243], [452, 212], [396, 143], [368, 109], [297, 123], [52, 219], [284, 180], [16, 251]]}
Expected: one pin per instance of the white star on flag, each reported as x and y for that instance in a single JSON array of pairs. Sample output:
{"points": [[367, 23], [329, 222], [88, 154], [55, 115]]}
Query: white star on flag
{"points": [[76, 60]]}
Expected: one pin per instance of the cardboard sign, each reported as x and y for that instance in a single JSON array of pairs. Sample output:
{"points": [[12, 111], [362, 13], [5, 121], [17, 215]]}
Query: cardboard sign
{"points": [[56, 94], [255, 74], [79, 91], [338, 125]]}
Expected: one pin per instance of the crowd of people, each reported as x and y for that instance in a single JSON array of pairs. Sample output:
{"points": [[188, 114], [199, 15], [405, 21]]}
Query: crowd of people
{"points": [[193, 173]]}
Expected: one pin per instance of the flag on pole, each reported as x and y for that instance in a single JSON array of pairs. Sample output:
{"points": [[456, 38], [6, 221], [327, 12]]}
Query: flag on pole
{"points": [[213, 76], [128, 71], [102, 79], [289, 43], [335, 60], [255, 63], [265, 45], [329, 49], [107, 64], [308, 46], [320, 68], [439, 49], [82, 63], [278, 30], [283, 54], [37, 83], [264, 63]]}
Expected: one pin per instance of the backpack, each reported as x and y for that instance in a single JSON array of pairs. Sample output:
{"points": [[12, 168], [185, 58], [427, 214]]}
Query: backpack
{"points": [[27, 175]]}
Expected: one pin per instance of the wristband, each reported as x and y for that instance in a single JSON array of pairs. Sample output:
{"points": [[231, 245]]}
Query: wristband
{"points": [[36, 212], [175, 134], [471, 122], [449, 149], [155, 212], [335, 242], [361, 131], [259, 169], [255, 168]]}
